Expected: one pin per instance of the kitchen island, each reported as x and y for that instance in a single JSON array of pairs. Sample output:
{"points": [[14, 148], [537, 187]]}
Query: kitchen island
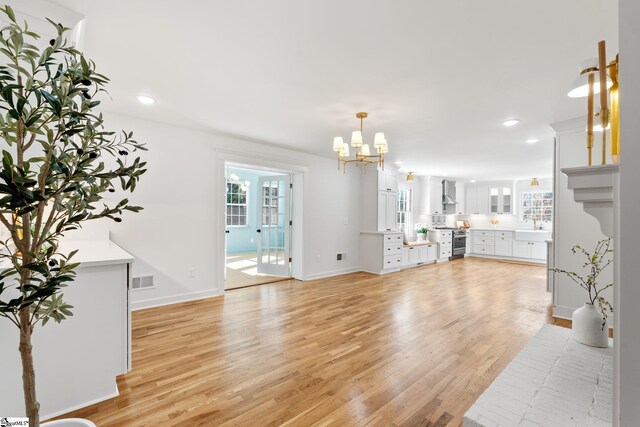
{"points": [[77, 360]]}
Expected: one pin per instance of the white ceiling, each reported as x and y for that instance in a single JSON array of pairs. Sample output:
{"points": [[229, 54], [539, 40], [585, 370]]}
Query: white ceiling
{"points": [[438, 77]]}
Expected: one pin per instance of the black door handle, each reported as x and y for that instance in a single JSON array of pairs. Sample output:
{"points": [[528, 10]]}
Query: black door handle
{"points": [[226, 231], [258, 231]]}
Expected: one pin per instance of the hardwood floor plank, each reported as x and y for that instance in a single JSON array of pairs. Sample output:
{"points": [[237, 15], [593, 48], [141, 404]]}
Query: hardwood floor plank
{"points": [[413, 348]]}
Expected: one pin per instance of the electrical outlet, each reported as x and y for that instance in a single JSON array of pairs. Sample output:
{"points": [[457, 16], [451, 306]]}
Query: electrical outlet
{"points": [[191, 273], [317, 258], [341, 257]]}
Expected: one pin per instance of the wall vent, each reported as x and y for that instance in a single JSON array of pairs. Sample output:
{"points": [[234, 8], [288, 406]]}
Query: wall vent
{"points": [[143, 282], [341, 257]]}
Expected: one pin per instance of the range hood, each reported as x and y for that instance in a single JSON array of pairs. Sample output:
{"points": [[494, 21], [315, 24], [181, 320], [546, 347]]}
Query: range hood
{"points": [[448, 196]]}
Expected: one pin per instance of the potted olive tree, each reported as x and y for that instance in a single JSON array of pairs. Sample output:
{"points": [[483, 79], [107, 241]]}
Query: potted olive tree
{"points": [[58, 163], [589, 322]]}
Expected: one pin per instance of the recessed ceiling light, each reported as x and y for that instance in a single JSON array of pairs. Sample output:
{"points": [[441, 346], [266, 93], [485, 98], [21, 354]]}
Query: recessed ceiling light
{"points": [[146, 100], [473, 180], [398, 163], [510, 122], [532, 140]]}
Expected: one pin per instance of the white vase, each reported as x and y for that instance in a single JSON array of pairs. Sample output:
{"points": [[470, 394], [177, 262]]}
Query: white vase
{"points": [[421, 237], [587, 327]]}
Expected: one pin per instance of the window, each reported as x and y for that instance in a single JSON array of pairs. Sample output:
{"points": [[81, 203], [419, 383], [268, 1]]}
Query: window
{"points": [[537, 205], [236, 204], [270, 204], [404, 209]]}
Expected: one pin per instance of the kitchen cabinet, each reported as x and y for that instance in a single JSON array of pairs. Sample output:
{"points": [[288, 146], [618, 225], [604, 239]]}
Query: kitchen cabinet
{"points": [[419, 254], [500, 200], [460, 198], [435, 195], [539, 250], [445, 238], [427, 253], [381, 252], [504, 246], [526, 249], [387, 205], [387, 181], [476, 200]]}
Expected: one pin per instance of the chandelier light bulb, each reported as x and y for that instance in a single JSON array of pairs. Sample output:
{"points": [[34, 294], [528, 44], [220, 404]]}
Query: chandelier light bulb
{"points": [[378, 140], [356, 138]]}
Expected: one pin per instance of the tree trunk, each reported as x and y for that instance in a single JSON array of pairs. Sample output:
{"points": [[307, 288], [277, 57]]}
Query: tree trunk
{"points": [[28, 373]]}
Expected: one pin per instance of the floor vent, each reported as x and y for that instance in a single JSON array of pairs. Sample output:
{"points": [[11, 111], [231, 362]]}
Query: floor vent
{"points": [[143, 282]]}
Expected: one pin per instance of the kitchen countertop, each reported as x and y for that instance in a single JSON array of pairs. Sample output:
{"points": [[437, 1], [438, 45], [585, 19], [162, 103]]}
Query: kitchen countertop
{"points": [[505, 229], [406, 245]]}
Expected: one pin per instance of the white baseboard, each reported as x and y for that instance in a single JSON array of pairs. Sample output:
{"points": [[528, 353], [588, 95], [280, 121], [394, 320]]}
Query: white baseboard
{"points": [[173, 299], [497, 257], [563, 312], [332, 273], [111, 395]]}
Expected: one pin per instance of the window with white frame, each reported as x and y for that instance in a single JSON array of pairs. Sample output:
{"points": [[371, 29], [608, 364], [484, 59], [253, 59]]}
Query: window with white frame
{"points": [[537, 205], [236, 204], [404, 209], [270, 204]]}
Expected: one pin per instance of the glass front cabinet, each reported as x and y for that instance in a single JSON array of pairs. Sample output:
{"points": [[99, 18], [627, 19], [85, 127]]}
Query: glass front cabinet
{"points": [[500, 200]]}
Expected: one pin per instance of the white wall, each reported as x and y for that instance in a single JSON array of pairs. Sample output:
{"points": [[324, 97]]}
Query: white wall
{"points": [[628, 298], [177, 229], [572, 224]]}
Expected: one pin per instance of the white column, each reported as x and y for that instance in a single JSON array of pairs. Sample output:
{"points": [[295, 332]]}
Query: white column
{"points": [[627, 375]]}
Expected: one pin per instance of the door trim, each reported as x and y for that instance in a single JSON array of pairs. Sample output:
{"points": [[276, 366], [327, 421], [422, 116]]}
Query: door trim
{"points": [[296, 169]]}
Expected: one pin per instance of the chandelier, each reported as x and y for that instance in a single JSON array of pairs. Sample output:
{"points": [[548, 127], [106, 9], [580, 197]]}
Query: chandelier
{"points": [[362, 151]]}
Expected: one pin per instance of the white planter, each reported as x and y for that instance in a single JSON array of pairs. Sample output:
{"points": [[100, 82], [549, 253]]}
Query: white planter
{"points": [[421, 237], [587, 327], [69, 422]]}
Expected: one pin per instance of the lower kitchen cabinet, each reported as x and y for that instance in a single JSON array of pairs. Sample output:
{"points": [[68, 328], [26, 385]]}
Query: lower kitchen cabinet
{"points": [[502, 243], [533, 250], [380, 252], [504, 246], [419, 254]]}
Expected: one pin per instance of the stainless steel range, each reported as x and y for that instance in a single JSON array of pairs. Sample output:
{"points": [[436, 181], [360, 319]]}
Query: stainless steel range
{"points": [[459, 246]]}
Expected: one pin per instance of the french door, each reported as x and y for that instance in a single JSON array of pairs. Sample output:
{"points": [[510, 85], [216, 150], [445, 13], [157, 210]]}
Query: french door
{"points": [[274, 247]]}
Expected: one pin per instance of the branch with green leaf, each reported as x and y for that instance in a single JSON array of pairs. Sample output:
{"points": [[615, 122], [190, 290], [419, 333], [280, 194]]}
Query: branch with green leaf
{"points": [[595, 263], [58, 164]]}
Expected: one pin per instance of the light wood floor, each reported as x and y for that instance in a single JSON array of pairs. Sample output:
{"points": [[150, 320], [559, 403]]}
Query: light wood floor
{"points": [[414, 348], [242, 271]]}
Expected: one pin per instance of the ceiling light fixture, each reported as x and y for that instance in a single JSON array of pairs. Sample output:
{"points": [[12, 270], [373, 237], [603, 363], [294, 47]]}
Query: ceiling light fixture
{"points": [[362, 151], [410, 177], [146, 100], [532, 140], [511, 122], [473, 181]]}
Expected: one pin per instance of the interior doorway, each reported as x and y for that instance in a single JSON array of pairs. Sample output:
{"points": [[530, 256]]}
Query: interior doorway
{"points": [[258, 219]]}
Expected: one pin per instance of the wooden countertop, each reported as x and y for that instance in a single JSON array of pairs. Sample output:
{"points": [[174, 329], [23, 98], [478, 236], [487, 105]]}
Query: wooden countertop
{"points": [[419, 244]]}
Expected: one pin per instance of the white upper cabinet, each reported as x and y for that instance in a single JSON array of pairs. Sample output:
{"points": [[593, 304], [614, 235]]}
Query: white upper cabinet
{"points": [[387, 181], [476, 200], [435, 195], [391, 217], [500, 200], [378, 200], [482, 199], [460, 198]]}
